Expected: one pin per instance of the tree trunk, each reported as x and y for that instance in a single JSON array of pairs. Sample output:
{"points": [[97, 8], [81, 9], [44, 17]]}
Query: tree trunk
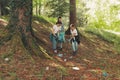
{"points": [[0, 10], [20, 21], [20, 25], [40, 7], [72, 16], [37, 8], [73, 12]]}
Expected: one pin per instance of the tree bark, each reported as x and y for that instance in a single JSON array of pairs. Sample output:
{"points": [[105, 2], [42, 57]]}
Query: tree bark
{"points": [[0, 10], [40, 7], [20, 25], [21, 18], [36, 8], [72, 17]]}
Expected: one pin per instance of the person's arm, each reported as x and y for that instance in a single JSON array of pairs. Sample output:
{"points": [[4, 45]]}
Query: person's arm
{"points": [[74, 33], [53, 30]]}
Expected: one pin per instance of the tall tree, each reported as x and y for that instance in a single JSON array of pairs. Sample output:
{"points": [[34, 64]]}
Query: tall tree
{"points": [[72, 15], [0, 10], [20, 28], [72, 12]]}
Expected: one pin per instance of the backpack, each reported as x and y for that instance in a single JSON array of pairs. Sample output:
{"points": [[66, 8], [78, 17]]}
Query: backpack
{"points": [[77, 38]]}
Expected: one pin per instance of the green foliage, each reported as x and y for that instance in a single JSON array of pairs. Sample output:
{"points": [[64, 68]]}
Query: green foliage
{"points": [[105, 21], [18, 3], [117, 43], [106, 35], [6, 18], [99, 24], [41, 19], [37, 6], [81, 13], [106, 17], [115, 26], [57, 7]]}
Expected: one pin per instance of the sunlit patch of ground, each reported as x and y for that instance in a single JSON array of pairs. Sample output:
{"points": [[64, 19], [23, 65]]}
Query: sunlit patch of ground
{"points": [[96, 60]]}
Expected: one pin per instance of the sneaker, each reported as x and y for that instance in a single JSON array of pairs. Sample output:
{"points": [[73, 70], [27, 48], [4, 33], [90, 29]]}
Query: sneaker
{"points": [[70, 57], [55, 51], [74, 53], [60, 49]]}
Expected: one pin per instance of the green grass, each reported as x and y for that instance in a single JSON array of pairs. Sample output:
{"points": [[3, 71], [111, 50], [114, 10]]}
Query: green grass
{"points": [[44, 19], [106, 35], [5, 17], [50, 19]]}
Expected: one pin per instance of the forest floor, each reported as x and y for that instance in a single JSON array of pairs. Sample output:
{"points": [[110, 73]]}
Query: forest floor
{"points": [[96, 59]]}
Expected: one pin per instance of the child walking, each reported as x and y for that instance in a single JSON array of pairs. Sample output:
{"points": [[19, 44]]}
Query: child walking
{"points": [[55, 32], [74, 39], [61, 37]]}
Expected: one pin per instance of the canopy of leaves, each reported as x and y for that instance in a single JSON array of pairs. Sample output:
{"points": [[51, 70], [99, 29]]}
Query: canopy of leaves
{"points": [[57, 7]]}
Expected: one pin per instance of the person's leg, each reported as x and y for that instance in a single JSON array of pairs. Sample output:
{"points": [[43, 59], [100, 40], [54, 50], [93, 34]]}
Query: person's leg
{"points": [[60, 45], [74, 47], [54, 44]]}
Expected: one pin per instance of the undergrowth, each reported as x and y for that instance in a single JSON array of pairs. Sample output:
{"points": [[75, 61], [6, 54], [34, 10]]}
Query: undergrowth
{"points": [[107, 36]]}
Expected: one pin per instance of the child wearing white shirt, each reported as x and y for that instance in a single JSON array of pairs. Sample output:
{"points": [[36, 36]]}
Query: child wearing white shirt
{"points": [[55, 32], [61, 37], [74, 42]]}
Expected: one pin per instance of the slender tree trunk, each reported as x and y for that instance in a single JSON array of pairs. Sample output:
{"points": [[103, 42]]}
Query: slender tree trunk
{"points": [[0, 10], [39, 7], [72, 12], [36, 8]]}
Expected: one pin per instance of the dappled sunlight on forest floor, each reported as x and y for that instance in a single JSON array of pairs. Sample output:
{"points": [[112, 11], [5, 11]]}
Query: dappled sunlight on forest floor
{"points": [[117, 33], [96, 60]]}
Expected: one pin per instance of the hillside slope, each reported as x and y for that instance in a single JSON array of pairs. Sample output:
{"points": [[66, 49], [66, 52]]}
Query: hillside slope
{"points": [[93, 60]]}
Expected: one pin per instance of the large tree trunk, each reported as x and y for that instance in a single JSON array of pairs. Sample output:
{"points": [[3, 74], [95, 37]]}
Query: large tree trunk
{"points": [[20, 25], [73, 12], [20, 21]]}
